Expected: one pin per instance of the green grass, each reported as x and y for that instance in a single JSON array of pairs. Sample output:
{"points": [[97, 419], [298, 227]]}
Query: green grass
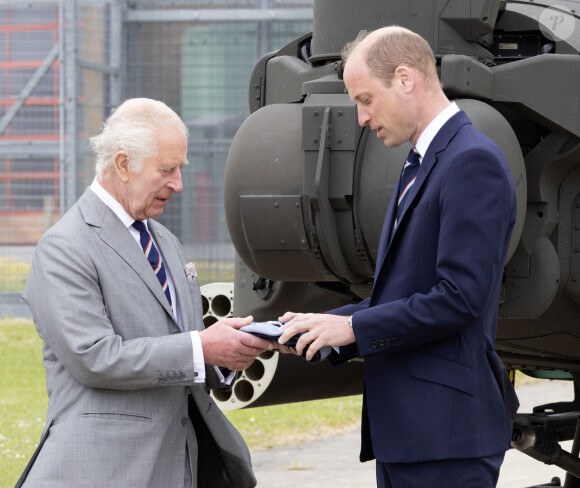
{"points": [[13, 273], [23, 403], [265, 427], [23, 399]]}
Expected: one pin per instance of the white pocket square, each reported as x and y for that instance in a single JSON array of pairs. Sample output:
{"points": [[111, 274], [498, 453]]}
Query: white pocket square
{"points": [[190, 272]]}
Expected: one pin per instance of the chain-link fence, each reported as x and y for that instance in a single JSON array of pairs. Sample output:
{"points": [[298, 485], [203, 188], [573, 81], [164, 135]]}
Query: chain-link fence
{"points": [[64, 64]]}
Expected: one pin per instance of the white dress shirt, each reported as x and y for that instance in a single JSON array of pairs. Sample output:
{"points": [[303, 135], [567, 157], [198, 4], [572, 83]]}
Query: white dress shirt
{"points": [[433, 128]]}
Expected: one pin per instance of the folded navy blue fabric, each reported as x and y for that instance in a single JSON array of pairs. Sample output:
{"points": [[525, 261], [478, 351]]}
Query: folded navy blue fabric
{"points": [[271, 330]]}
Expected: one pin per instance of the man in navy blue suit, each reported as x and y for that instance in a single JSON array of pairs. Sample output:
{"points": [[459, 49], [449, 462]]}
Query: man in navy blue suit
{"points": [[438, 405]]}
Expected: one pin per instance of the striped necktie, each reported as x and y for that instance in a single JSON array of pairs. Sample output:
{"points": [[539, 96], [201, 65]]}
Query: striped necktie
{"points": [[153, 256], [410, 169]]}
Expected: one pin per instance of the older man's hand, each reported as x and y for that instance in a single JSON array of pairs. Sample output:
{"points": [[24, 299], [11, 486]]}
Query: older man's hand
{"points": [[225, 346]]}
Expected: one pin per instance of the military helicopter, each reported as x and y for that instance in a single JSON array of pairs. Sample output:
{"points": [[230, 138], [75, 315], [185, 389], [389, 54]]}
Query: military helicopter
{"points": [[307, 190]]}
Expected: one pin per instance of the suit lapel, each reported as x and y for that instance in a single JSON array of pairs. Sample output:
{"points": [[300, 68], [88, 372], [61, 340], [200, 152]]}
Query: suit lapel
{"points": [[117, 237], [438, 144], [388, 224], [175, 266], [426, 166]]}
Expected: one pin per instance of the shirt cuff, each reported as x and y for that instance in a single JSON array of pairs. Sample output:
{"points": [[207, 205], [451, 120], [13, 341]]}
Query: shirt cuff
{"points": [[198, 359], [226, 380]]}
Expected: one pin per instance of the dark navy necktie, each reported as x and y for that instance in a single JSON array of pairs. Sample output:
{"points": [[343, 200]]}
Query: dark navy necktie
{"points": [[153, 257], [407, 179]]}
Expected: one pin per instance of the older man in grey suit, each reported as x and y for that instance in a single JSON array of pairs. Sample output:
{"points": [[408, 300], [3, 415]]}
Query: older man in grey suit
{"points": [[128, 362]]}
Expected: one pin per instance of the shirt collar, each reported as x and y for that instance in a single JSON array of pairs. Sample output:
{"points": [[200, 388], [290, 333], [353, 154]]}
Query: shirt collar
{"points": [[433, 128], [113, 204]]}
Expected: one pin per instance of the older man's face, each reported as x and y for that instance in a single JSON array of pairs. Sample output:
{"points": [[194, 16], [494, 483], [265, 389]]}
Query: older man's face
{"points": [[145, 194]]}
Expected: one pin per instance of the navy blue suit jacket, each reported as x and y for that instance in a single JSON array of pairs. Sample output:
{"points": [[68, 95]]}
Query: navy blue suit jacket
{"points": [[434, 385]]}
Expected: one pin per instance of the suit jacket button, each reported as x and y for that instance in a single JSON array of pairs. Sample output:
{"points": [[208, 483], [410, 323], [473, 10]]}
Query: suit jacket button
{"points": [[374, 344], [184, 421], [387, 342], [381, 343]]}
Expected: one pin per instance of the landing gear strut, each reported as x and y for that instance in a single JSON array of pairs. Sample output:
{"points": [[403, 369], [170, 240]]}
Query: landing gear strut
{"points": [[538, 435]]}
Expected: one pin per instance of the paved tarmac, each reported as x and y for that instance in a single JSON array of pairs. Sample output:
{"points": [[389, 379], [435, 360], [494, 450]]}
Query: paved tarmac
{"points": [[333, 461]]}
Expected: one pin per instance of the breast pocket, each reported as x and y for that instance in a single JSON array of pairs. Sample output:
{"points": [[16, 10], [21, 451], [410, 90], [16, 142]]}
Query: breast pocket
{"points": [[421, 208]]}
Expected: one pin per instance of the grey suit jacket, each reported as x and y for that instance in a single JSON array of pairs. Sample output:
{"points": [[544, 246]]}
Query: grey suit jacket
{"points": [[118, 371]]}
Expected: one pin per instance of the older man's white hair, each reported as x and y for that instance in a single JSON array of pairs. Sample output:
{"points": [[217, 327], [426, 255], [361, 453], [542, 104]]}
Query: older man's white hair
{"points": [[134, 128]]}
